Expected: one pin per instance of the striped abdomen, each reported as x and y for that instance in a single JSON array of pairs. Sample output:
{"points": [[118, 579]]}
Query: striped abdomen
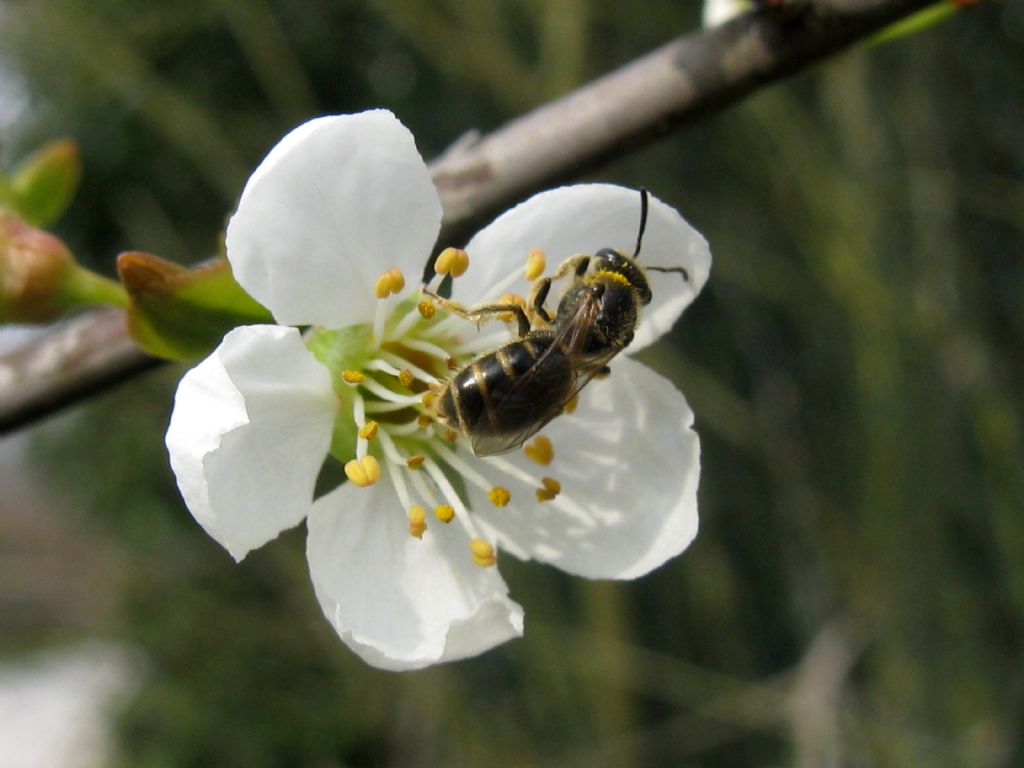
{"points": [[504, 396]]}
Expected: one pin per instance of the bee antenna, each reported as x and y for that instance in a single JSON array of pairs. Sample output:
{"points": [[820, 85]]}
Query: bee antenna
{"points": [[680, 270], [643, 221]]}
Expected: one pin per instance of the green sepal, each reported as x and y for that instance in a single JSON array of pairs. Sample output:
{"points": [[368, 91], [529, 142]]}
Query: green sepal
{"points": [[182, 314], [41, 187], [347, 349]]}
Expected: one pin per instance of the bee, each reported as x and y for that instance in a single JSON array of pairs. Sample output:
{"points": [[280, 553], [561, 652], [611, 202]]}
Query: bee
{"points": [[503, 397]]}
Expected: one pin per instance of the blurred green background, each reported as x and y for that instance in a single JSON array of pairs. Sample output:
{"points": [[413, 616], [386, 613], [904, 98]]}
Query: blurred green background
{"points": [[856, 594]]}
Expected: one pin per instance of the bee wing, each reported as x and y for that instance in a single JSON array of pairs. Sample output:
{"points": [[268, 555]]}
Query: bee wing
{"points": [[545, 387]]}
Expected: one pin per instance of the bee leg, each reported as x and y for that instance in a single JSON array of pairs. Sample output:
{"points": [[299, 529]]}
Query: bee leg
{"points": [[575, 264], [482, 312], [540, 295]]}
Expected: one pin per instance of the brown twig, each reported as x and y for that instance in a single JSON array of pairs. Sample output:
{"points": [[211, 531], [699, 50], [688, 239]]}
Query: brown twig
{"points": [[611, 116]]}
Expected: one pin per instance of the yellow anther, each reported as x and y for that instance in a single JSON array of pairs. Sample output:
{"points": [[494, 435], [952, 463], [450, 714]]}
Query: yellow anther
{"points": [[452, 261], [416, 461], [540, 451], [363, 472], [369, 430], [444, 512], [534, 264], [571, 403], [405, 378], [426, 309], [392, 281], [483, 553], [452, 364], [417, 520], [450, 436], [511, 298], [428, 398], [499, 496], [352, 377], [550, 489], [423, 420]]}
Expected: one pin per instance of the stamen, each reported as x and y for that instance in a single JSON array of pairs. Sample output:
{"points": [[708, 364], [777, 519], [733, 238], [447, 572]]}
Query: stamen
{"points": [[359, 417], [424, 420], [452, 323], [369, 430], [469, 473], [415, 461], [392, 281], [453, 498], [510, 469], [404, 326], [426, 309], [417, 520], [425, 376], [444, 512], [352, 377], [499, 497], [427, 348], [385, 406], [483, 553], [363, 472], [540, 451], [535, 264], [550, 489], [387, 394], [405, 428], [452, 261], [405, 378]]}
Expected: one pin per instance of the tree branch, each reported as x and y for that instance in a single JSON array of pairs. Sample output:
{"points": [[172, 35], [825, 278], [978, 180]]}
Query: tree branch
{"points": [[479, 176]]}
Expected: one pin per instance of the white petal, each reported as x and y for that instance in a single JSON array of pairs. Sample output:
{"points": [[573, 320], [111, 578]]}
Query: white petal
{"points": [[250, 429], [628, 463], [583, 219], [397, 601], [337, 202]]}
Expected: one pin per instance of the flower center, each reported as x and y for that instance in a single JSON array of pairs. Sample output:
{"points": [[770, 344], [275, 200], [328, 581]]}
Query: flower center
{"points": [[388, 377]]}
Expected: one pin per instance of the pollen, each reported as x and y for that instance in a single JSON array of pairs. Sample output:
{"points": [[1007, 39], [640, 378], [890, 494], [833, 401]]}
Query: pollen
{"points": [[549, 489], [535, 264], [571, 403], [483, 553], [444, 512], [405, 378], [499, 496], [540, 451], [417, 521], [352, 377], [426, 309], [392, 281], [423, 421], [415, 462], [615, 277], [369, 430], [452, 261], [428, 399], [363, 472]]}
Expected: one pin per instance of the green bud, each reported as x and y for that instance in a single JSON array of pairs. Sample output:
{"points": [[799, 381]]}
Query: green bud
{"points": [[41, 187], [39, 278], [182, 314]]}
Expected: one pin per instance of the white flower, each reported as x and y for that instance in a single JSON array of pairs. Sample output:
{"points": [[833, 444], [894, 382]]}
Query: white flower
{"points": [[340, 211]]}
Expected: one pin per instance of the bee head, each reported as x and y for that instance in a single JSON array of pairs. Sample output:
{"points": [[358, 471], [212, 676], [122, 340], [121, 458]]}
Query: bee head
{"points": [[614, 266]]}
